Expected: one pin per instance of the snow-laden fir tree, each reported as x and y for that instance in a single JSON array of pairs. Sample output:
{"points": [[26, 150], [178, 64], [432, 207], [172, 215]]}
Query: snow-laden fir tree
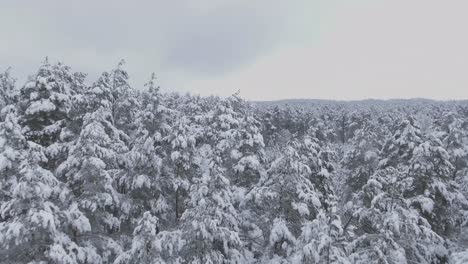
{"points": [[321, 240], [99, 94], [142, 182], [327, 237], [284, 199], [235, 133], [44, 103], [434, 192], [150, 246], [179, 145], [36, 218], [8, 92], [90, 172], [389, 229], [210, 224], [144, 235], [362, 160], [397, 150], [320, 127], [454, 137], [12, 148], [125, 104]]}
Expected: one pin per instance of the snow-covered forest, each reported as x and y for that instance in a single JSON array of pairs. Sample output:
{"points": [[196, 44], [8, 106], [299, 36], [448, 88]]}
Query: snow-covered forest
{"points": [[98, 171]]}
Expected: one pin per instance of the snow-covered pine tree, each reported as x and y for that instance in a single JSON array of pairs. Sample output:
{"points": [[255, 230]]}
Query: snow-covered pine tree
{"points": [[179, 145], [8, 92], [434, 192], [283, 200], [398, 149], [142, 249], [454, 137], [363, 157], [321, 240], [99, 94], [154, 116], [420, 159], [235, 133], [210, 224], [453, 133], [125, 104], [44, 103], [44, 106], [78, 109], [327, 222], [152, 246], [389, 229], [90, 173], [270, 129], [143, 183], [35, 218], [12, 146], [320, 127], [342, 125]]}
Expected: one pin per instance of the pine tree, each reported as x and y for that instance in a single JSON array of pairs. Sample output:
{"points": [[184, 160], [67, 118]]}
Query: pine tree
{"points": [[12, 146], [398, 149], [211, 223], [44, 103], [390, 230], [179, 145], [99, 94], [34, 222], [321, 240], [362, 159], [455, 141], [144, 237], [125, 103], [8, 92], [90, 173], [143, 183], [286, 198], [235, 133], [434, 192]]}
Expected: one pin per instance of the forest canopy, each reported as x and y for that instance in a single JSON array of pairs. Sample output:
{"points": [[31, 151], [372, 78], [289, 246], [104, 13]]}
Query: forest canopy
{"points": [[104, 172]]}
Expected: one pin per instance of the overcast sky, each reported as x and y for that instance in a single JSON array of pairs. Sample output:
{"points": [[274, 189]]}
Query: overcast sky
{"points": [[269, 49]]}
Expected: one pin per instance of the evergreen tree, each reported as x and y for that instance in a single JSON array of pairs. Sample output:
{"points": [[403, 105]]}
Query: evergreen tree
{"points": [[434, 192], [90, 173], [211, 223], [44, 103], [179, 160], [99, 94], [398, 149], [362, 159], [144, 237], [235, 133], [389, 229], [285, 199], [143, 183], [321, 240], [34, 222], [12, 146], [125, 103], [455, 141], [8, 92]]}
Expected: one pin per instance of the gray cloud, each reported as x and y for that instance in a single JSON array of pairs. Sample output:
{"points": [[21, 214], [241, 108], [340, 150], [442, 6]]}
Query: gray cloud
{"points": [[270, 48], [195, 37]]}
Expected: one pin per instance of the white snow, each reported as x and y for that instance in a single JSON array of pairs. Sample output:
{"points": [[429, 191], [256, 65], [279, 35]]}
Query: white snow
{"points": [[40, 106]]}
